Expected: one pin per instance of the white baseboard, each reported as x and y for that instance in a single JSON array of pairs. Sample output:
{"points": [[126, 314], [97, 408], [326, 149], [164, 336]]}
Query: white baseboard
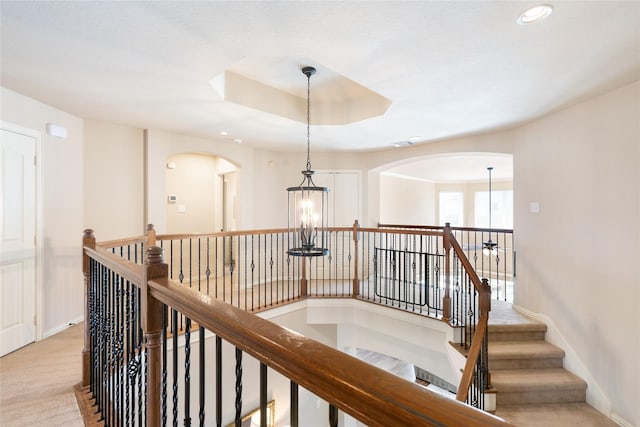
{"points": [[620, 421], [572, 363], [61, 328]]}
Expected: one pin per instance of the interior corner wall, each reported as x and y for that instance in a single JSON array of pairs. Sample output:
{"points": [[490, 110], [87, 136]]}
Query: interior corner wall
{"points": [[61, 162], [113, 180], [578, 257]]}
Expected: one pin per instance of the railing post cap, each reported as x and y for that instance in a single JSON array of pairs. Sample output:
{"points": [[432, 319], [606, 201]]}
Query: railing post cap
{"points": [[154, 255], [88, 233], [149, 227]]}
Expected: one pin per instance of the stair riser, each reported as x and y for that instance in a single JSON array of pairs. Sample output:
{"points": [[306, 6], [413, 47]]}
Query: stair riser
{"points": [[530, 397], [516, 336], [533, 363]]}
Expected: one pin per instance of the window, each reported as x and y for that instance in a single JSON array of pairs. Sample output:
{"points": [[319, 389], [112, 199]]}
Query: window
{"points": [[501, 209], [451, 208]]}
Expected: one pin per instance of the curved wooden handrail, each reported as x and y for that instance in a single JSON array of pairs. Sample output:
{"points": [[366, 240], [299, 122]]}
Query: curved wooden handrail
{"points": [[372, 395], [477, 283], [484, 298]]}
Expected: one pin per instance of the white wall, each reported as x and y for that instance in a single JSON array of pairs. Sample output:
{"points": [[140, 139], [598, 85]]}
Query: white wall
{"points": [[113, 180], [61, 163], [194, 181], [407, 201], [578, 258]]}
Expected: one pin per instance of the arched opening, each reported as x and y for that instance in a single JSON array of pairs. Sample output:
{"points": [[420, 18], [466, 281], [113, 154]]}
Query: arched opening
{"points": [[450, 188], [201, 193]]}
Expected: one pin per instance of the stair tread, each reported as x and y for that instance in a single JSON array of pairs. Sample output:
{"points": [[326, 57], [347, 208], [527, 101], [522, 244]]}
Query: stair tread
{"points": [[536, 379], [553, 414], [523, 350]]}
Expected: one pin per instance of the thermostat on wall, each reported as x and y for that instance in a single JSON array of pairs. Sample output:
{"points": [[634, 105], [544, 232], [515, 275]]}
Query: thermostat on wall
{"points": [[173, 198]]}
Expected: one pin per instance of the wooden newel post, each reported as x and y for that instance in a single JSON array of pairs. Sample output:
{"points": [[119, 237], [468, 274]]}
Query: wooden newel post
{"points": [[151, 235], [151, 313], [446, 299], [484, 300], [88, 240], [356, 282]]}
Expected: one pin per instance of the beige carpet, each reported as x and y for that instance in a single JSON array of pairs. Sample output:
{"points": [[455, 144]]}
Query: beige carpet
{"points": [[36, 382]]}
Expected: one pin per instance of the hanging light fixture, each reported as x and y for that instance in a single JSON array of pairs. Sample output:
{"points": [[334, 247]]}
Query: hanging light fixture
{"points": [[490, 247], [308, 204]]}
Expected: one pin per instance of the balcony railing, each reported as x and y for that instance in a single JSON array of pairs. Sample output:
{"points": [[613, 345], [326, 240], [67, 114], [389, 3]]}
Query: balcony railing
{"points": [[143, 312]]}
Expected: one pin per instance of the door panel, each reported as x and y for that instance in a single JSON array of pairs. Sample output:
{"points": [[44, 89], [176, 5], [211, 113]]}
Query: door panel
{"points": [[17, 240]]}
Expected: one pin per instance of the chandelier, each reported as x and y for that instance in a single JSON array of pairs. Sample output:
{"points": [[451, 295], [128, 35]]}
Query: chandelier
{"points": [[308, 204]]}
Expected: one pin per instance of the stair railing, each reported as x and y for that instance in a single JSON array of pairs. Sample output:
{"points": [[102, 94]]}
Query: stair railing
{"points": [[414, 270], [130, 359]]}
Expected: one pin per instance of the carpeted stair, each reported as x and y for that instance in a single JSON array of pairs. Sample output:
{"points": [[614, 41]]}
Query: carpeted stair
{"points": [[527, 373]]}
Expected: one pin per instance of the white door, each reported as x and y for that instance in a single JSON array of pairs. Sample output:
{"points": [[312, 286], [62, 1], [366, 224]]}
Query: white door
{"points": [[17, 240]]}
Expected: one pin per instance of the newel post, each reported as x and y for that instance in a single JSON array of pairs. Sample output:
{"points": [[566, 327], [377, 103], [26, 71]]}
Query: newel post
{"points": [[151, 235], [446, 299], [88, 240], [356, 282], [151, 313]]}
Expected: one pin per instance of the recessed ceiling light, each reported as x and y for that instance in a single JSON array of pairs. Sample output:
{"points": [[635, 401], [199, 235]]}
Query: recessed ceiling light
{"points": [[535, 14], [224, 133], [237, 141]]}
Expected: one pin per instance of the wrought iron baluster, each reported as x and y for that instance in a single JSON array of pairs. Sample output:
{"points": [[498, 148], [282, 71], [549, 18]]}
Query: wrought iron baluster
{"points": [[165, 325], [263, 395], [293, 405], [218, 381], [187, 372], [238, 401], [201, 348], [174, 338]]}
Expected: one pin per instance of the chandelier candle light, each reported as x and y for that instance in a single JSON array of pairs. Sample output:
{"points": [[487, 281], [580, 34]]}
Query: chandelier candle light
{"points": [[308, 204]]}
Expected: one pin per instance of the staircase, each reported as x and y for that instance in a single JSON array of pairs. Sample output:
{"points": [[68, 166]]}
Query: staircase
{"points": [[533, 388]]}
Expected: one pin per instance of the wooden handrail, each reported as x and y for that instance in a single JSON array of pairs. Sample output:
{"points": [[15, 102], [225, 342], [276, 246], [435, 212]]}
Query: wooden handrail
{"points": [[128, 270], [440, 227], [371, 395], [477, 283], [472, 358]]}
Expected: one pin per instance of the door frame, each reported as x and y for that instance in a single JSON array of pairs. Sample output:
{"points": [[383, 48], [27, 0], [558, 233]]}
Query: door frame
{"points": [[39, 225]]}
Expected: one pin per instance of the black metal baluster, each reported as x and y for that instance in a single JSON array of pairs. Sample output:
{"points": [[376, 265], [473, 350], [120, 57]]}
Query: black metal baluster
{"points": [[263, 395], [293, 405], [187, 372], [224, 273], [129, 353], [218, 381], [238, 401], [202, 374], [165, 325], [174, 333], [271, 267], [142, 362], [208, 271], [333, 416]]}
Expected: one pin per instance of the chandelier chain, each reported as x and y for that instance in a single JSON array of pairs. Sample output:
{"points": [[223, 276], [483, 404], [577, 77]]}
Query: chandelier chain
{"points": [[308, 120]]}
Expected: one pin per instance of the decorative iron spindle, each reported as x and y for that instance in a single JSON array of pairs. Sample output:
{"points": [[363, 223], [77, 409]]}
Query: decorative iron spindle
{"points": [[187, 372], [201, 352], [238, 400]]}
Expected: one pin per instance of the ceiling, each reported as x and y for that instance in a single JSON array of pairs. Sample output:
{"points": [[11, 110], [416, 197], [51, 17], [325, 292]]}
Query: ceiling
{"points": [[448, 68]]}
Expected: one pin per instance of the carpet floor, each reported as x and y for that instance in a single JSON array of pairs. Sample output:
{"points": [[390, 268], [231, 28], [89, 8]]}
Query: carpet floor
{"points": [[36, 382]]}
